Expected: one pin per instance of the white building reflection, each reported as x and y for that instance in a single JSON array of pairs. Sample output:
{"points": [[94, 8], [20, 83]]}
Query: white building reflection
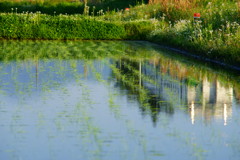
{"points": [[215, 101], [192, 112], [177, 85]]}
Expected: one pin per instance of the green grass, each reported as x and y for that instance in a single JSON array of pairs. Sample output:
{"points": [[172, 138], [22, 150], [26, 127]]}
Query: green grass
{"points": [[55, 7], [40, 26], [46, 8]]}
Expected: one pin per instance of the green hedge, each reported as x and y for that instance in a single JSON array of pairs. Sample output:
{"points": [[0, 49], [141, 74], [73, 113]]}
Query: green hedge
{"points": [[39, 26], [138, 30]]}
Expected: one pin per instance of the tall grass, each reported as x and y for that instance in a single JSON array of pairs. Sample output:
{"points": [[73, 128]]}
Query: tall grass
{"points": [[216, 35], [218, 45]]}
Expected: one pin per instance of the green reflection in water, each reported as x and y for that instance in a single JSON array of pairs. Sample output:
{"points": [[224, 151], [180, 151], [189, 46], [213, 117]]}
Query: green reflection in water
{"points": [[135, 65], [160, 81]]}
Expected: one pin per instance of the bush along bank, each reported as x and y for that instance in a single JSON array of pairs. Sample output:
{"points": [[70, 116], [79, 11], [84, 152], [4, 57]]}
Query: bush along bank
{"points": [[40, 26], [71, 27]]}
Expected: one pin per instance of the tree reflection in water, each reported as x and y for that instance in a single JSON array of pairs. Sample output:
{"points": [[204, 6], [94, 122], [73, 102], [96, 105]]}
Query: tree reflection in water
{"points": [[172, 84], [85, 95], [160, 80]]}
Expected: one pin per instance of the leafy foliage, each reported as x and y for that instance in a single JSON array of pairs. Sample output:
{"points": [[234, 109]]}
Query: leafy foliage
{"points": [[39, 26]]}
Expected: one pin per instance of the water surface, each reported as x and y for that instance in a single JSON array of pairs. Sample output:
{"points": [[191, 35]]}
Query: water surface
{"points": [[114, 100]]}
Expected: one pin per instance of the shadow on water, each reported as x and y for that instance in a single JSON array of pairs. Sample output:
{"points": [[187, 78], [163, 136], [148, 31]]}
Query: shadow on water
{"points": [[160, 80]]}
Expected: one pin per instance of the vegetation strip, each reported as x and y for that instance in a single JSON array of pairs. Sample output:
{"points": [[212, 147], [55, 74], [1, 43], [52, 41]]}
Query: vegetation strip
{"points": [[202, 28], [200, 57]]}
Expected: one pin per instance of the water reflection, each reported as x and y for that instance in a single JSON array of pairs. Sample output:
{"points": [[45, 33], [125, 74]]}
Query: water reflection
{"points": [[216, 101], [83, 99], [170, 85], [162, 83]]}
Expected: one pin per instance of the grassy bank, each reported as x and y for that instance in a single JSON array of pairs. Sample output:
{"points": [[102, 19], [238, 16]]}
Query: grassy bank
{"points": [[40, 26], [215, 35], [71, 27]]}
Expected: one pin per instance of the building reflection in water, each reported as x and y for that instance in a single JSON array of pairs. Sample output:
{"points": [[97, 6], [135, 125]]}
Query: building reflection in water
{"points": [[216, 101], [192, 112], [172, 84]]}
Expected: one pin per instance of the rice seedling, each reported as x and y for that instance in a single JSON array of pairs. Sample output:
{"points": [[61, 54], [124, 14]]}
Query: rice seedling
{"points": [[136, 65]]}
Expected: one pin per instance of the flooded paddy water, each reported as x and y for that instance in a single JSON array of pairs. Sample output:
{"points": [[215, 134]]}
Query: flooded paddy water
{"points": [[114, 100]]}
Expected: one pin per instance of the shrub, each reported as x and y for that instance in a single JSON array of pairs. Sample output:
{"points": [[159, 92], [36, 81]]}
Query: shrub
{"points": [[39, 26], [138, 30]]}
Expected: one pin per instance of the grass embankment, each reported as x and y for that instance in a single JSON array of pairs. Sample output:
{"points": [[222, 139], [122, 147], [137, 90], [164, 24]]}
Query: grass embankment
{"points": [[39, 26], [72, 27], [215, 35]]}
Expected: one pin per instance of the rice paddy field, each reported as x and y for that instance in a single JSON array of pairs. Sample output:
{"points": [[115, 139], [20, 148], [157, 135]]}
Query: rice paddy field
{"points": [[114, 100], [103, 79]]}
